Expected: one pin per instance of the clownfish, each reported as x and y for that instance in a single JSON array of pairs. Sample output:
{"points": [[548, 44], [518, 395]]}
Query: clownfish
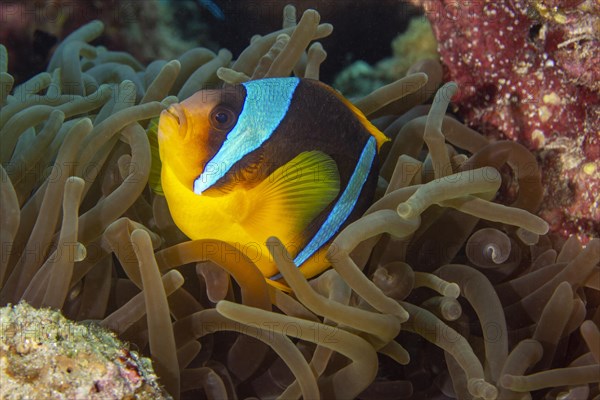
{"points": [[285, 157]]}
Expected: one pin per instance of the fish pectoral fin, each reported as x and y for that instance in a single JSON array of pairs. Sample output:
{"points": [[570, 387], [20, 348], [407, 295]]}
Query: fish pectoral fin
{"points": [[155, 166], [292, 196]]}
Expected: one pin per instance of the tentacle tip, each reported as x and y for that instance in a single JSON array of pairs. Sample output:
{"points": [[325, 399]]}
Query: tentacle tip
{"points": [[587, 324], [75, 180], [97, 24], [313, 14], [490, 392], [506, 381], [451, 85], [452, 290], [404, 210], [56, 113], [492, 173], [175, 64], [139, 234], [421, 76], [402, 314], [80, 252], [223, 307], [86, 123], [273, 241], [225, 54], [127, 83], [104, 87], [316, 46], [479, 388], [168, 101], [178, 279], [327, 29]]}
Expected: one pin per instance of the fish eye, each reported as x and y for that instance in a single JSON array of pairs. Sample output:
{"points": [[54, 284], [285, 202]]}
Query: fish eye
{"points": [[222, 118]]}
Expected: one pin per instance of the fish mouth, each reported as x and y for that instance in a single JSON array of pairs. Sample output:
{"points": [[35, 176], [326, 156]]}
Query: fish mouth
{"points": [[174, 117]]}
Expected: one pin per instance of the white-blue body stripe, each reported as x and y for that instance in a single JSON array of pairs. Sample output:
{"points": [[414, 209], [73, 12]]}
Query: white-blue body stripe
{"points": [[267, 102], [344, 206]]}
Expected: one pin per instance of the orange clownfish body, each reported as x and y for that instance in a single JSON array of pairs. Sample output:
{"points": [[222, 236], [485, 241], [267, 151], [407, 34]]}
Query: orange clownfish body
{"points": [[285, 157]]}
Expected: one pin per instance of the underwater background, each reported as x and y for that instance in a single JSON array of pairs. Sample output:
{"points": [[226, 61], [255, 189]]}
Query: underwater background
{"points": [[475, 272]]}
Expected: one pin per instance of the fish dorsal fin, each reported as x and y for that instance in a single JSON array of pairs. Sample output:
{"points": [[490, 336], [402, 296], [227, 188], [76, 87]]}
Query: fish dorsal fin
{"points": [[292, 196], [376, 133]]}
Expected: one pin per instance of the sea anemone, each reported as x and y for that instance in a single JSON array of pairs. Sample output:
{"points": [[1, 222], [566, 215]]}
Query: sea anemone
{"points": [[438, 291]]}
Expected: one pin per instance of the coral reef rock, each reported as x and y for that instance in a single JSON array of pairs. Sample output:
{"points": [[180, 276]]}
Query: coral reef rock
{"points": [[529, 71], [43, 355]]}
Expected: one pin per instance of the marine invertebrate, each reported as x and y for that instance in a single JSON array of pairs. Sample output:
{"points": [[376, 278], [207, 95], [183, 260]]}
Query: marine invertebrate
{"points": [[360, 335], [528, 72], [145, 30]]}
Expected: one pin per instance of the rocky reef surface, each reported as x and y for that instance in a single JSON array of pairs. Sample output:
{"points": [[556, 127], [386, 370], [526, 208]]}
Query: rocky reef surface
{"points": [[43, 355]]}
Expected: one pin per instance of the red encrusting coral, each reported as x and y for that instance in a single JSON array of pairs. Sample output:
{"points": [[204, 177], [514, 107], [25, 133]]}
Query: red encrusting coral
{"points": [[530, 71]]}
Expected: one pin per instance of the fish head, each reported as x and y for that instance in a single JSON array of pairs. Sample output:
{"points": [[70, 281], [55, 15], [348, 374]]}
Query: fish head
{"points": [[192, 131]]}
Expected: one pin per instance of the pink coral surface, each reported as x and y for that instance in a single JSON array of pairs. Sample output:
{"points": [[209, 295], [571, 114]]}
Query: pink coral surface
{"points": [[530, 71]]}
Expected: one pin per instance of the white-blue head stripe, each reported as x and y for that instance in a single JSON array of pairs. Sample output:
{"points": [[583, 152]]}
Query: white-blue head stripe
{"points": [[267, 102], [343, 207]]}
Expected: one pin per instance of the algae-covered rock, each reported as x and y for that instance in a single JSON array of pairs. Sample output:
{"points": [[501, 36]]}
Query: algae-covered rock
{"points": [[43, 355]]}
